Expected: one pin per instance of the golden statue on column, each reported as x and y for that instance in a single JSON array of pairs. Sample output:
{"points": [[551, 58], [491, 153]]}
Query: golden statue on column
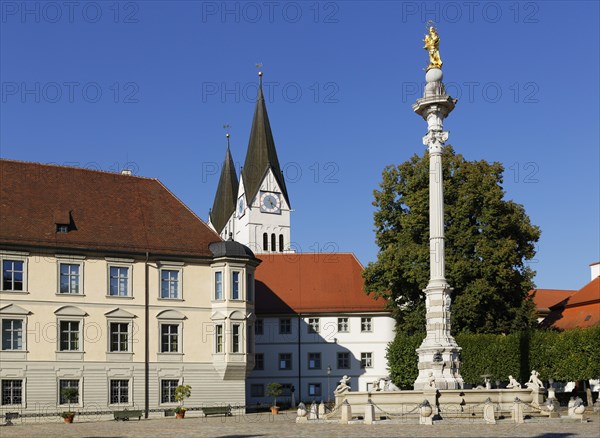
{"points": [[432, 45]]}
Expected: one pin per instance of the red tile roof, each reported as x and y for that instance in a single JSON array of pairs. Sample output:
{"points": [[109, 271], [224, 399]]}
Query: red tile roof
{"points": [[546, 298], [312, 283], [107, 211], [581, 309]]}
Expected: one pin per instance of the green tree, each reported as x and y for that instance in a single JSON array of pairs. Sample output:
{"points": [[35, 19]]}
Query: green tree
{"points": [[488, 242]]}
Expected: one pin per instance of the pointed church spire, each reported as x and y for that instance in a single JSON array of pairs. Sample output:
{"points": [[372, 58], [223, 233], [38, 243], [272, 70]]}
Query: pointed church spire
{"points": [[225, 198], [261, 155]]}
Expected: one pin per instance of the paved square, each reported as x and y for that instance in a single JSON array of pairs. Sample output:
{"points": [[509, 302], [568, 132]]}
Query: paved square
{"points": [[283, 425]]}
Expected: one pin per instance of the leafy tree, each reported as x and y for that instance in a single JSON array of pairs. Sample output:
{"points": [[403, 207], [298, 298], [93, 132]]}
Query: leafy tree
{"points": [[488, 241]]}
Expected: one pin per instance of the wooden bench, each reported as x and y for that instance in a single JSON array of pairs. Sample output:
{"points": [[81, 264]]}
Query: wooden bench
{"points": [[126, 414], [217, 410]]}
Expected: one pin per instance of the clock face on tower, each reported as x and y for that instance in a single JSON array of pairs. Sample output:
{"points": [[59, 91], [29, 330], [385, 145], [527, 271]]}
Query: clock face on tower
{"points": [[270, 202]]}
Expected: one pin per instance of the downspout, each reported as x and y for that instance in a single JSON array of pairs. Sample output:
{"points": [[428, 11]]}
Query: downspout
{"points": [[146, 341], [299, 361]]}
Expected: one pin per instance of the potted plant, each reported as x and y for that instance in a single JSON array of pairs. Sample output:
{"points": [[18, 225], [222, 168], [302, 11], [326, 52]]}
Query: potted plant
{"points": [[71, 395], [274, 390], [181, 393]]}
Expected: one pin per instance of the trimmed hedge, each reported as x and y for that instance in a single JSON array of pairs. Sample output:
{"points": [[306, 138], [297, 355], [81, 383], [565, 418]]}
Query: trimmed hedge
{"points": [[564, 356]]}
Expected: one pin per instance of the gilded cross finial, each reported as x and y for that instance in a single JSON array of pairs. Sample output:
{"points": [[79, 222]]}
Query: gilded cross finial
{"points": [[226, 127], [432, 45]]}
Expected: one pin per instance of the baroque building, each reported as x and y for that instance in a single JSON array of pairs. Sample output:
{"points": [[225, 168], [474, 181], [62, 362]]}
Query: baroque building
{"points": [[113, 286]]}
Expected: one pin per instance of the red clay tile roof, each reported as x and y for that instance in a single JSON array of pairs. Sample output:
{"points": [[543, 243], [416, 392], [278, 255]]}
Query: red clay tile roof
{"points": [[108, 212], [581, 309], [312, 283], [546, 298]]}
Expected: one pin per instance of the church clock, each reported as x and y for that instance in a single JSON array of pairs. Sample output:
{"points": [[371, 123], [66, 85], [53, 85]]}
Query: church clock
{"points": [[270, 202]]}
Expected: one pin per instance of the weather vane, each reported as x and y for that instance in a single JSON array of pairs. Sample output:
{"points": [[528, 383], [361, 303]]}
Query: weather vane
{"points": [[432, 45]]}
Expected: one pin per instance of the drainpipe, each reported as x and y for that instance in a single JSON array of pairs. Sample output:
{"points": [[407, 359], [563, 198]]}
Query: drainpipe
{"points": [[299, 361], [146, 341]]}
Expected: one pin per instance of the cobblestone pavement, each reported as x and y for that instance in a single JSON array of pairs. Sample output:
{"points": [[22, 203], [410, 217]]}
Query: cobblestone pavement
{"points": [[266, 425]]}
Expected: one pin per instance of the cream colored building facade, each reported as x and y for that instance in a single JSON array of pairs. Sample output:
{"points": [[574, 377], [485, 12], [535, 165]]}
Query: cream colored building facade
{"points": [[123, 327]]}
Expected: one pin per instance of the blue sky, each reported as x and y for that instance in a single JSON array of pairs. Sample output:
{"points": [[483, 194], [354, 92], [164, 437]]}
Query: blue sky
{"points": [[151, 83]]}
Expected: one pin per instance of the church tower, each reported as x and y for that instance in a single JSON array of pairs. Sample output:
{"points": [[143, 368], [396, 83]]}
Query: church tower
{"points": [[256, 210], [263, 205], [221, 216]]}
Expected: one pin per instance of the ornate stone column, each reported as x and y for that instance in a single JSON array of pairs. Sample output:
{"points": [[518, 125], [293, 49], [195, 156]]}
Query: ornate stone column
{"points": [[439, 354]]}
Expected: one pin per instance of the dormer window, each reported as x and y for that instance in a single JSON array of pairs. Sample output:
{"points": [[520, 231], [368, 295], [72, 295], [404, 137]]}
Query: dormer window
{"points": [[62, 228], [63, 221]]}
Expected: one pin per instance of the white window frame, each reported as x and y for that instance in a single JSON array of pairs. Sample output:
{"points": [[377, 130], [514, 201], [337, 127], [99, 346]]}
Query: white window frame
{"points": [[23, 320], [179, 325], [114, 263], [314, 325], [58, 331], [17, 257], [71, 260], [23, 393], [344, 323], [315, 385], [262, 355], [219, 337], [249, 287], [240, 284], [222, 283], [368, 359], [238, 341], [160, 390], [279, 360], [348, 359], [259, 323], [129, 323], [79, 402], [129, 391], [289, 320], [366, 324], [179, 271], [314, 367]]}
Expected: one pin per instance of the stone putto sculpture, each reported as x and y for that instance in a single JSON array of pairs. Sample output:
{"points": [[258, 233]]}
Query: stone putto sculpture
{"points": [[534, 381], [343, 386], [512, 383]]}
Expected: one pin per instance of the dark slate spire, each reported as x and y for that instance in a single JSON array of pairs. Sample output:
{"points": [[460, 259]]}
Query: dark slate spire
{"points": [[261, 155], [225, 199]]}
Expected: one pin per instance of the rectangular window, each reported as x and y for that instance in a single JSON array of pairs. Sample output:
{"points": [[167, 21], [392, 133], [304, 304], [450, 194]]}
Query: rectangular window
{"points": [[259, 328], [119, 281], [218, 285], [12, 334], [12, 392], [250, 287], [313, 325], [119, 391], [286, 389], [167, 390], [366, 360], [259, 361], [250, 340], [343, 361], [69, 278], [119, 337], [219, 338], [169, 338], [285, 326], [314, 361], [63, 384], [366, 324], [12, 275], [169, 284], [69, 336], [285, 361], [314, 390], [257, 390], [235, 338], [235, 285], [343, 325]]}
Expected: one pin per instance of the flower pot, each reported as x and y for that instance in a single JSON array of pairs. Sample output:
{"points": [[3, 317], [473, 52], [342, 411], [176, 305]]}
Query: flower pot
{"points": [[274, 410], [68, 418], [180, 415]]}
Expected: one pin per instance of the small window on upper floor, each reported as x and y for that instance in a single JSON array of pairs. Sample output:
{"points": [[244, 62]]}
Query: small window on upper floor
{"points": [[265, 242], [281, 243], [273, 243]]}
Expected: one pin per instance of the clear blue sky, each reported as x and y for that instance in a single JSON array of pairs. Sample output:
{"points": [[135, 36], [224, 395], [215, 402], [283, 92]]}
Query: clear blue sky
{"points": [[100, 84]]}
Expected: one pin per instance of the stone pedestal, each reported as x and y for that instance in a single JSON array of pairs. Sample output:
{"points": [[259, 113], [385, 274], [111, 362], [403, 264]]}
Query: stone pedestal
{"points": [[321, 409], [345, 412], [517, 412], [488, 412], [369, 412]]}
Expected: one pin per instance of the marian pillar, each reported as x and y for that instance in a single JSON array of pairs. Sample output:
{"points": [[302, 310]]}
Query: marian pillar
{"points": [[439, 354]]}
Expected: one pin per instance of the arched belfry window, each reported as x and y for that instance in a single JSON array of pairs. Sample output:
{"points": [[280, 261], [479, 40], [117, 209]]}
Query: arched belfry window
{"points": [[281, 243], [273, 242], [265, 242]]}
